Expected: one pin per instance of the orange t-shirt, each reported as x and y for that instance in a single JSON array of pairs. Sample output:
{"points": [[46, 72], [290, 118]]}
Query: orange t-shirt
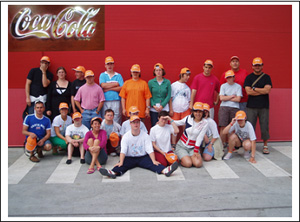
{"points": [[136, 93]]}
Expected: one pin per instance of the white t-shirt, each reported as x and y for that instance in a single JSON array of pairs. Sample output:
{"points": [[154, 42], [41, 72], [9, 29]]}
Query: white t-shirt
{"points": [[181, 96], [126, 127], [247, 132], [59, 122], [162, 136], [228, 90], [76, 133], [212, 128], [136, 146]]}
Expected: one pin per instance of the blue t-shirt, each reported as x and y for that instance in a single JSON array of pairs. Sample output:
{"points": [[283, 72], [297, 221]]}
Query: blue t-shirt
{"points": [[37, 125], [111, 95]]}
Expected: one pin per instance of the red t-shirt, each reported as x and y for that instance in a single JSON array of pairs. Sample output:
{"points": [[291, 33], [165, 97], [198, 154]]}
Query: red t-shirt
{"points": [[240, 77], [205, 86]]}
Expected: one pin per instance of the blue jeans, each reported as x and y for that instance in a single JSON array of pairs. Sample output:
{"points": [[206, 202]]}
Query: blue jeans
{"points": [[143, 162], [87, 115]]}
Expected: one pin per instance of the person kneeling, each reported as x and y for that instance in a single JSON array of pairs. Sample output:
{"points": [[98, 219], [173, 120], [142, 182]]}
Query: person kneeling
{"points": [[137, 151], [243, 135]]}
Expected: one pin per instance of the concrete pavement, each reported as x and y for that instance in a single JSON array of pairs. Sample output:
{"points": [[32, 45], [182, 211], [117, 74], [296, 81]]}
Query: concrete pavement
{"points": [[233, 188]]}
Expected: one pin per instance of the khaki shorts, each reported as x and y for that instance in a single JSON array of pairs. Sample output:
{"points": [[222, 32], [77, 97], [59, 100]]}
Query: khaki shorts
{"points": [[181, 150]]}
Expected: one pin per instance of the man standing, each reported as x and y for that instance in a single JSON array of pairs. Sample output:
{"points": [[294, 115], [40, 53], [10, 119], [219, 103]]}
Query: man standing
{"points": [[89, 99], [38, 79], [76, 84], [258, 86], [111, 83], [204, 86], [240, 76], [137, 151], [38, 127]]}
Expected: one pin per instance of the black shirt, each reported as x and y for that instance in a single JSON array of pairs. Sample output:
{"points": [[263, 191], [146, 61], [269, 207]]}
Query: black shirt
{"points": [[76, 84], [261, 101], [36, 86]]}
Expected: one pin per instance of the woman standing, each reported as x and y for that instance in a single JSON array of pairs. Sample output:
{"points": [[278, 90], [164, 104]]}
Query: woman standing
{"points": [[160, 89], [59, 91], [187, 148], [95, 145]]}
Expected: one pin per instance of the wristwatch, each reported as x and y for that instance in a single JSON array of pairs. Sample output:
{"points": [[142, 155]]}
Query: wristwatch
{"points": [[253, 88], [148, 107]]}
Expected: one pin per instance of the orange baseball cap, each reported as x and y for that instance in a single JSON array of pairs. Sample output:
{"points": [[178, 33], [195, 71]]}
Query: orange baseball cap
{"points": [[89, 73], [135, 68], [30, 144], [133, 109], [45, 58], [95, 118], [171, 157], [76, 115], [114, 139], [158, 65], [257, 61], [234, 57], [135, 117], [63, 106], [185, 70], [79, 69], [229, 73], [206, 106], [209, 62], [240, 115], [198, 106], [109, 59]]}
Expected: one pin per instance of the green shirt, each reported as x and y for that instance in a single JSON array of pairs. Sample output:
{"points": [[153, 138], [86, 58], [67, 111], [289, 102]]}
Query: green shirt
{"points": [[161, 93]]}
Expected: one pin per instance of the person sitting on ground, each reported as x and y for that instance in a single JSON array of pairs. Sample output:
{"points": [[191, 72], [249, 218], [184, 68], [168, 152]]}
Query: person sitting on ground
{"points": [[212, 142], [133, 110], [111, 126], [58, 129], [160, 135], [75, 134], [38, 128], [187, 148], [95, 145], [243, 136], [137, 151]]}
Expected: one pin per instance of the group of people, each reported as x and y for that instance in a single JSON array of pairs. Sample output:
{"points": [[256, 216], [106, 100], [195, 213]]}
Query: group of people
{"points": [[183, 129]]}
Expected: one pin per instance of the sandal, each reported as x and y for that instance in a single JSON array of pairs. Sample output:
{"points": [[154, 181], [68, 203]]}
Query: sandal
{"points": [[34, 159], [90, 171], [98, 168], [265, 150]]}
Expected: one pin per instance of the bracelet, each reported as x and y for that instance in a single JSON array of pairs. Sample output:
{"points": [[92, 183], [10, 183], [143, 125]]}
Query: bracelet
{"points": [[231, 124], [148, 107], [172, 121]]}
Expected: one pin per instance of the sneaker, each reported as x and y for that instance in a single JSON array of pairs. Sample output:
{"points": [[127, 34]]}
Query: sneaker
{"points": [[113, 154], [247, 154], [34, 159], [40, 153], [227, 156], [170, 169], [108, 173], [68, 161], [82, 161]]}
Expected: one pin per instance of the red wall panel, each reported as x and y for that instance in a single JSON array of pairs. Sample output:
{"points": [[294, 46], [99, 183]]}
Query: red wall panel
{"points": [[177, 36]]}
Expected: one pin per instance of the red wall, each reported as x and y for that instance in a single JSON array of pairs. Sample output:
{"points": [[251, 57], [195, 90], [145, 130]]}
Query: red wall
{"points": [[177, 36]]}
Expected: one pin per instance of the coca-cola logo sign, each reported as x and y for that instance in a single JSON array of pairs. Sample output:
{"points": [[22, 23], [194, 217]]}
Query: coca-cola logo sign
{"points": [[56, 27]]}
